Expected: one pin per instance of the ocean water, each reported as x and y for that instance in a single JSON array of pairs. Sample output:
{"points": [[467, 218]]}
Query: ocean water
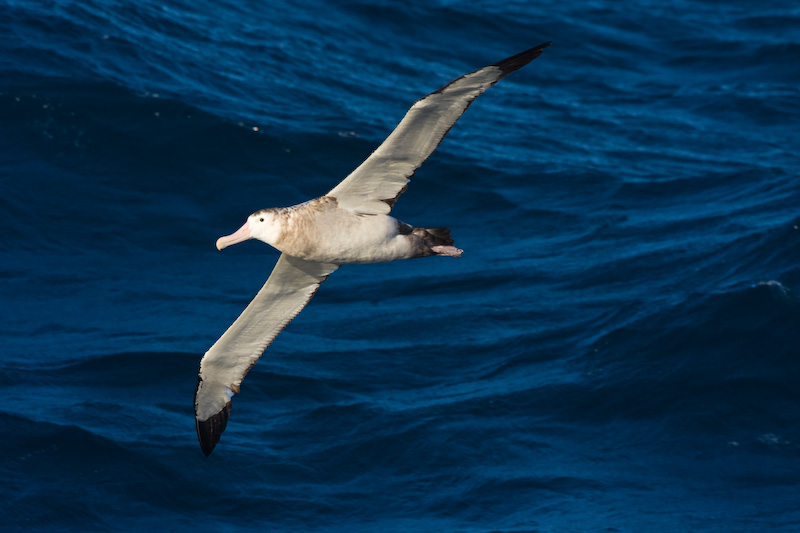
{"points": [[617, 350]]}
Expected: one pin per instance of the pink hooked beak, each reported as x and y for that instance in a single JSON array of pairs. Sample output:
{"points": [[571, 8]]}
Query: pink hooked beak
{"points": [[242, 234]]}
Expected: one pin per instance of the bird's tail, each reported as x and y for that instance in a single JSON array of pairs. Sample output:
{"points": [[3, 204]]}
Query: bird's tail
{"points": [[438, 241], [435, 236]]}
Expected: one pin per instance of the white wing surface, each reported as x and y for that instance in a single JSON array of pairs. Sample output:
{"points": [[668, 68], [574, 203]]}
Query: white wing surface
{"points": [[375, 185], [289, 288]]}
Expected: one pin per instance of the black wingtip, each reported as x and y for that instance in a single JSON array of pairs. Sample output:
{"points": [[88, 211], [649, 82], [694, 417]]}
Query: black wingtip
{"points": [[210, 430], [518, 61]]}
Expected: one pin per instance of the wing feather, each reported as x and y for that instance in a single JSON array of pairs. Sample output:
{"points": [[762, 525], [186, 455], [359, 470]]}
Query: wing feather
{"points": [[289, 288], [374, 186]]}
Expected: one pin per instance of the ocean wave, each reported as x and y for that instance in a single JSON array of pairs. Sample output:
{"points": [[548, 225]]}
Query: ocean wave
{"points": [[731, 349]]}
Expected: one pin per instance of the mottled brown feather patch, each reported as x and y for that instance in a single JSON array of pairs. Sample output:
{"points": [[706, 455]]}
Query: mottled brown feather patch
{"points": [[391, 201]]}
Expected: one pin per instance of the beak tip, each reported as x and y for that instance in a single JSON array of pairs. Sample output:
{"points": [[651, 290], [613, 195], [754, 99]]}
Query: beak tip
{"points": [[241, 235]]}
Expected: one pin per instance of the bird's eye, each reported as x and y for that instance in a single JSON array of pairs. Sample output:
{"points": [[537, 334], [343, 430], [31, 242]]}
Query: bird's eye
{"points": [[262, 220]]}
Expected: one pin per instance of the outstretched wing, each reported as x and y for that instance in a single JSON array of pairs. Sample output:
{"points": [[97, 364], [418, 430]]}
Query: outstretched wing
{"points": [[375, 185], [289, 288]]}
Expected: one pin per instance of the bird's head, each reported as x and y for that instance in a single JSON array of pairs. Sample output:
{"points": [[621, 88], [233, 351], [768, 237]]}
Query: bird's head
{"points": [[260, 225]]}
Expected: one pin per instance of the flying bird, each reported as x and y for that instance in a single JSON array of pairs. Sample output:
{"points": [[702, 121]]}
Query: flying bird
{"points": [[350, 224]]}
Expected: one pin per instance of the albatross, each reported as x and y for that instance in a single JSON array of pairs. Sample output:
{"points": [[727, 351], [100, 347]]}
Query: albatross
{"points": [[350, 224]]}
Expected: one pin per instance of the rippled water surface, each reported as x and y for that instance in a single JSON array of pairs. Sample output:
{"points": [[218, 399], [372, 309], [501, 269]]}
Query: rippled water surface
{"points": [[618, 349]]}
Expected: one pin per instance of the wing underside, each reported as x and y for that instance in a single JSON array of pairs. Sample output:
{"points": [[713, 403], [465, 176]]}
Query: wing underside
{"points": [[374, 186], [289, 288]]}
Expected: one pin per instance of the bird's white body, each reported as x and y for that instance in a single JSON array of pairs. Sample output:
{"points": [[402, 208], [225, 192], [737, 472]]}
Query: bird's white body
{"points": [[319, 230]]}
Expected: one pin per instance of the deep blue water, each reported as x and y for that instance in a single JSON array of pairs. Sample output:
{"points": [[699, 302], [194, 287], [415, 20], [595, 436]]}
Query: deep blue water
{"points": [[618, 349]]}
